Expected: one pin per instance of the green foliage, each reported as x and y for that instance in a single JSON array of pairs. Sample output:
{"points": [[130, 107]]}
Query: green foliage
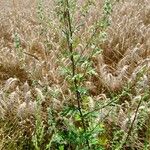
{"points": [[38, 136], [75, 129]]}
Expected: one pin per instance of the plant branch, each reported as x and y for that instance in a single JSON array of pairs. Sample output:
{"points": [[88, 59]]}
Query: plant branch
{"points": [[132, 123], [69, 34], [31, 55]]}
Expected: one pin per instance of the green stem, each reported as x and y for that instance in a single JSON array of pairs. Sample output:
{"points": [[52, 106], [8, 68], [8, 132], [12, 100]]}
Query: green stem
{"points": [[70, 47]]}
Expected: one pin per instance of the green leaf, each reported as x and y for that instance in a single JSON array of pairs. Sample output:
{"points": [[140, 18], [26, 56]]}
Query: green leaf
{"points": [[61, 147], [82, 90], [92, 72], [77, 117], [78, 77]]}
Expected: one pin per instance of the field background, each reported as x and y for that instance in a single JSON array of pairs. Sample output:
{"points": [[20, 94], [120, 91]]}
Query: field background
{"points": [[31, 47]]}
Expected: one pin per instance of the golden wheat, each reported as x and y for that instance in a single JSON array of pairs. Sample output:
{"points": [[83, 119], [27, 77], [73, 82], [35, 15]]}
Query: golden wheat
{"points": [[30, 48]]}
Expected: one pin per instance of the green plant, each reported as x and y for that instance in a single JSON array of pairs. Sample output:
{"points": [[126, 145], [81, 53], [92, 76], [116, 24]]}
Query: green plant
{"points": [[78, 130], [38, 136]]}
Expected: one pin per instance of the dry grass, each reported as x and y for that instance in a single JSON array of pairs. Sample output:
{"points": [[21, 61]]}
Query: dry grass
{"points": [[128, 43], [27, 68]]}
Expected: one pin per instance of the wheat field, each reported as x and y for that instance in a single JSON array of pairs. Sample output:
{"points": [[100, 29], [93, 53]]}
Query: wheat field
{"points": [[30, 56]]}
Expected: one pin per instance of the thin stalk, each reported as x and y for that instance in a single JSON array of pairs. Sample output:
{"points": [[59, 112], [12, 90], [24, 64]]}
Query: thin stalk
{"points": [[134, 119], [69, 34], [132, 123]]}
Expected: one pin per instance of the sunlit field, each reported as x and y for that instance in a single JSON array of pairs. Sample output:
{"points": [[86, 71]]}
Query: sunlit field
{"points": [[74, 75]]}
